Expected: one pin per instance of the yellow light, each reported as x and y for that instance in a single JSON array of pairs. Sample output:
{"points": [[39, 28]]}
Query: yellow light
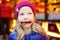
{"points": [[53, 34], [52, 1], [13, 25], [11, 30], [14, 22], [45, 26], [0, 1], [8, 0], [58, 26], [42, 3], [37, 0]]}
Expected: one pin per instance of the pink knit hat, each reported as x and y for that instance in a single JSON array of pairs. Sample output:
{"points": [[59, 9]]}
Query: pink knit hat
{"points": [[24, 3]]}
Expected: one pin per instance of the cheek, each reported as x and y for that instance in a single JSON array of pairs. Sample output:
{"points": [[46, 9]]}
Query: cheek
{"points": [[20, 18], [32, 19]]}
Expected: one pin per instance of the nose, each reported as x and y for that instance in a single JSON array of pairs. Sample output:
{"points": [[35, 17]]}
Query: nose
{"points": [[25, 17]]}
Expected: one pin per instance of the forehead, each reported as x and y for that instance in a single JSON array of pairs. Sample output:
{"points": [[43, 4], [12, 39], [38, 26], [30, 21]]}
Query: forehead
{"points": [[25, 9]]}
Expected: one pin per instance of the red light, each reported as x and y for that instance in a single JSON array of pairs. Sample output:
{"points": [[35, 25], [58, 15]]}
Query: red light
{"points": [[52, 28]]}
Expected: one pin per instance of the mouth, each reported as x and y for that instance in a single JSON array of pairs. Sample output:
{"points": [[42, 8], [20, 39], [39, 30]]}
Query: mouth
{"points": [[26, 23]]}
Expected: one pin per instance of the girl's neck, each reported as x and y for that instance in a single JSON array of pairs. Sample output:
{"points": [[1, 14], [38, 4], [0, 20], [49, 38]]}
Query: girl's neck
{"points": [[27, 30]]}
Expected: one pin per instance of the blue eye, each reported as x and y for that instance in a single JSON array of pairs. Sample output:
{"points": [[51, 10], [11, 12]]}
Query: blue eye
{"points": [[22, 14], [30, 13]]}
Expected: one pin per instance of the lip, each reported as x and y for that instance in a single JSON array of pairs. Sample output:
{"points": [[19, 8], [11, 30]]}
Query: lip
{"points": [[26, 22]]}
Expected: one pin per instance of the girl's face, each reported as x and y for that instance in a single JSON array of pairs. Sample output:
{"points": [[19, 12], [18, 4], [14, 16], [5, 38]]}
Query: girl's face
{"points": [[26, 17]]}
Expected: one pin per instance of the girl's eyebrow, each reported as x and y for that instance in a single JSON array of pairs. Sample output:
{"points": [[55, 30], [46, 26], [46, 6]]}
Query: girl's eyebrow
{"points": [[21, 13]]}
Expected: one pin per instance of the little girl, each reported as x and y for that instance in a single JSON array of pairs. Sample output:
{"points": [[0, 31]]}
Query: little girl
{"points": [[26, 28]]}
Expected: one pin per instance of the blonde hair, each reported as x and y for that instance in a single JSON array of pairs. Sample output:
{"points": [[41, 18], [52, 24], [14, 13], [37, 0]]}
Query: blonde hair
{"points": [[36, 27]]}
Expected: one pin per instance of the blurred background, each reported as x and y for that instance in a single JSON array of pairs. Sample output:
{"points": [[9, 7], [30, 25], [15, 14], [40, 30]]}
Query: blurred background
{"points": [[48, 16]]}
